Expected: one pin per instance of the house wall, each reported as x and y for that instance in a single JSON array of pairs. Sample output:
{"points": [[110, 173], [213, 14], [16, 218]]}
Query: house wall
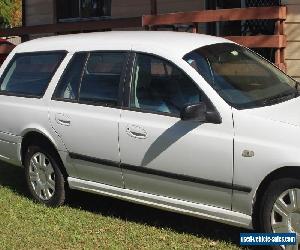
{"points": [[292, 30], [43, 11], [166, 6], [39, 12], [132, 8], [121, 8]]}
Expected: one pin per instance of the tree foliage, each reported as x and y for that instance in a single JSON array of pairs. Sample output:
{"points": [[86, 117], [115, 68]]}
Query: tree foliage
{"points": [[4, 12], [10, 13]]}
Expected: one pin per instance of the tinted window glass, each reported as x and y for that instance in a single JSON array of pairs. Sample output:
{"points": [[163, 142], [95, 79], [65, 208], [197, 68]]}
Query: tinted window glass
{"points": [[67, 9], [68, 85], [82, 8], [101, 78], [159, 86], [30, 74], [242, 79], [95, 8]]}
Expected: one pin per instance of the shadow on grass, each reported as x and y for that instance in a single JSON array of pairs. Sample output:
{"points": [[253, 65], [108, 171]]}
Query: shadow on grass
{"points": [[13, 178]]}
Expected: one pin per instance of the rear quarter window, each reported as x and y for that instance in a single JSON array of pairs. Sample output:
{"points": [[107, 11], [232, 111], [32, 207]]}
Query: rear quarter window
{"points": [[29, 74]]}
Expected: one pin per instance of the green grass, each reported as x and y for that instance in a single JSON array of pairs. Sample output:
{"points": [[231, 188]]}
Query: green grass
{"points": [[94, 222]]}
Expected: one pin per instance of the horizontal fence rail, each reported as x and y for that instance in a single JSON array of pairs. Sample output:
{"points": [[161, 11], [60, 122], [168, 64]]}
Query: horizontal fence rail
{"points": [[206, 16], [131, 22], [260, 41]]}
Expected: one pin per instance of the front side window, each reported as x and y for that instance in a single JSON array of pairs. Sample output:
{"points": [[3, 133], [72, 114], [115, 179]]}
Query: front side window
{"points": [[29, 74], [242, 78], [159, 86], [101, 78]]}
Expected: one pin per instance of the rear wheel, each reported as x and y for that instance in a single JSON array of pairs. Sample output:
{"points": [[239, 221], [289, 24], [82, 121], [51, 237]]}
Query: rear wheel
{"points": [[44, 178], [280, 208]]}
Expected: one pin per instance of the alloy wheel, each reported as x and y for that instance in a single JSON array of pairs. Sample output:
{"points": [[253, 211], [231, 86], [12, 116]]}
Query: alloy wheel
{"points": [[42, 176], [285, 216]]}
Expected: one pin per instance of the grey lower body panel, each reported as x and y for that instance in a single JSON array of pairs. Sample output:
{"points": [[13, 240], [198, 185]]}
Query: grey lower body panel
{"points": [[10, 148], [184, 207]]}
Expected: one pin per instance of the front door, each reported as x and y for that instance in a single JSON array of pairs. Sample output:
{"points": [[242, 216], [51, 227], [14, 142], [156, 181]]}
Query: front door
{"points": [[163, 155], [84, 112]]}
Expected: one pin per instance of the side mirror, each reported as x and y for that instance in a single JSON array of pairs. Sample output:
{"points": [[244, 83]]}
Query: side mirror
{"points": [[195, 112], [198, 112]]}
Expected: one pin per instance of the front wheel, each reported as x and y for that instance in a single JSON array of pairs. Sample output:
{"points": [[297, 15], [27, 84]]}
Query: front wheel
{"points": [[280, 208], [44, 178]]}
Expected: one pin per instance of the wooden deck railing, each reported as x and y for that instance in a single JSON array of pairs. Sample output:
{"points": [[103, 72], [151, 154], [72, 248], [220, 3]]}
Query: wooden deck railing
{"points": [[5, 49], [276, 41]]}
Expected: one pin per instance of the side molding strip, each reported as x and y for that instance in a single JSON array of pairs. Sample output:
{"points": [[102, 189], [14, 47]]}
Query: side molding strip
{"points": [[94, 160], [179, 177]]}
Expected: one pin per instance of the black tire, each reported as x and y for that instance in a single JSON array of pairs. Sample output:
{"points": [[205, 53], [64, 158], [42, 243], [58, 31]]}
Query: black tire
{"points": [[59, 194], [271, 194]]}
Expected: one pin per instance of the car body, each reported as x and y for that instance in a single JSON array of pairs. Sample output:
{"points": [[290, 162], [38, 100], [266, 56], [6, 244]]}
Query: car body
{"points": [[216, 170]]}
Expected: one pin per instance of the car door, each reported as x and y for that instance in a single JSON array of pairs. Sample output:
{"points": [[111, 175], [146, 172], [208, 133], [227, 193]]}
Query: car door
{"points": [[164, 155], [85, 112]]}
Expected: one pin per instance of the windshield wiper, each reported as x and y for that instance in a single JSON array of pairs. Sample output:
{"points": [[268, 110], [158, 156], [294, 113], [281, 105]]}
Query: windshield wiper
{"points": [[280, 97]]}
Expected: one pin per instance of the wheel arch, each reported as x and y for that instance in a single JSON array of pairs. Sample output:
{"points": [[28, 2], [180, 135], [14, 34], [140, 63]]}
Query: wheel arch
{"points": [[286, 171], [35, 136]]}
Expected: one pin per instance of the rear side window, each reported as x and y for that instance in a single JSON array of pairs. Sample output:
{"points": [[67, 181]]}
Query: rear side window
{"points": [[101, 78], [29, 74]]}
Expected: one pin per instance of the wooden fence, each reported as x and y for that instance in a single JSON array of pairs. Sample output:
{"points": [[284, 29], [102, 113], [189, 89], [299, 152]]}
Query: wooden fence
{"points": [[276, 41]]}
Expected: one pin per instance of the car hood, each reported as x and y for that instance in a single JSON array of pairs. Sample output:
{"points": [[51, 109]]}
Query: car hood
{"points": [[286, 112]]}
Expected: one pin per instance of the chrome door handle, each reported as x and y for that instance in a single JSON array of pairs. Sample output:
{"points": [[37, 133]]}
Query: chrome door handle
{"points": [[136, 132], [62, 119]]}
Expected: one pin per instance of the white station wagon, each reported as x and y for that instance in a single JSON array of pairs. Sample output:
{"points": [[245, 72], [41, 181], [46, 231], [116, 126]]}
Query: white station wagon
{"points": [[184, 122]]}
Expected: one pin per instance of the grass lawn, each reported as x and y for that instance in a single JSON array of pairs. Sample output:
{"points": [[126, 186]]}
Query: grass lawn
{"points": [[94, 222]]}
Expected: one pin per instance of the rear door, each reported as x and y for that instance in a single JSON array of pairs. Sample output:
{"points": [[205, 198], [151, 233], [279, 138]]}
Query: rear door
{"points": [[85, 112], [22, 87]]}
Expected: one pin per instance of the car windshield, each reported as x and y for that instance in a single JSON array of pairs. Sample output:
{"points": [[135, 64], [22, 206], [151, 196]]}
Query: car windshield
{"points": [[241, 77]]}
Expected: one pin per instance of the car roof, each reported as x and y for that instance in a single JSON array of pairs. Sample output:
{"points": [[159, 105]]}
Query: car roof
{"points": [[177, 43]]}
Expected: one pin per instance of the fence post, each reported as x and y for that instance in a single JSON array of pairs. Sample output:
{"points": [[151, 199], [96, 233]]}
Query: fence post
{"points": [[153, 11], [279, 53]]}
